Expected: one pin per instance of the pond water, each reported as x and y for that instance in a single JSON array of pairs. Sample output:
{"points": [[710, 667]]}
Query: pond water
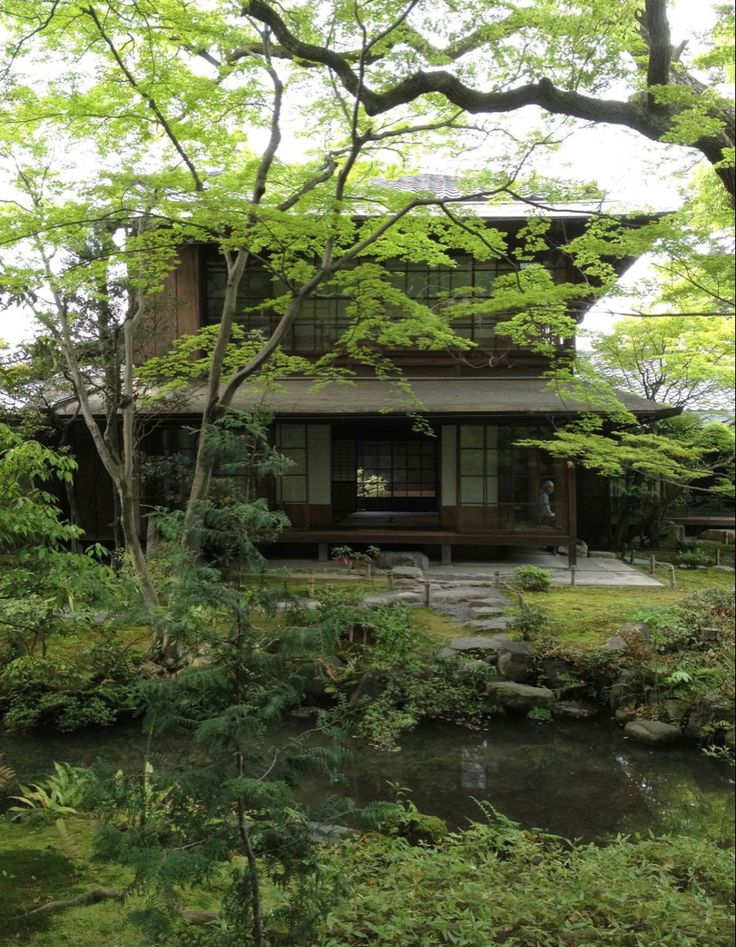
{"points": [[576, 779]]}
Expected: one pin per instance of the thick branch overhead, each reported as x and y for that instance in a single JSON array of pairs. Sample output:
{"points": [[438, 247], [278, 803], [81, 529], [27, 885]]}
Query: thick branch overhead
{"points": [[647, 117]]}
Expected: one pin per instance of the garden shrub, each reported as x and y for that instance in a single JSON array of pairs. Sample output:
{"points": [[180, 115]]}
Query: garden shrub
{"points": [[694, 559], [452, 689], [402, 819], [528, 620], [573, 674], [498, 885], [533, 579], [68, 694]]}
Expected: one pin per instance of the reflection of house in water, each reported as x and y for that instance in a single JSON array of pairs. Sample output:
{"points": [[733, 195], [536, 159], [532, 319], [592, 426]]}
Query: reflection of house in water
{"points": [[475, 766]]}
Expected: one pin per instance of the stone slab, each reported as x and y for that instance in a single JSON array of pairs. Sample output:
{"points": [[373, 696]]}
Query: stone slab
{"points": [[490, 624], [652, 732], [517, 696], [478, 643]]}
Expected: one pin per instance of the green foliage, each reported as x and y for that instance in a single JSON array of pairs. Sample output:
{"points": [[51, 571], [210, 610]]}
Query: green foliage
{"points": [[533, 579], [95, 687], [402, 819], [232, 816], [680, 662], [680, 361], [61, 793], [497, 884], [419, 687], [693, 559], [529, 621], [613, 453], [539, 715], [29, 516], [346, 555], [7, 774]]}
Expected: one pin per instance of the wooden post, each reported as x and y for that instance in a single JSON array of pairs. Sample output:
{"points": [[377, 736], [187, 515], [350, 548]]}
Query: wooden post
{"points": [[652, 565], [718, 555], [446, 554], [572, 516], [426, 594], [573, 570], [322, 552]]}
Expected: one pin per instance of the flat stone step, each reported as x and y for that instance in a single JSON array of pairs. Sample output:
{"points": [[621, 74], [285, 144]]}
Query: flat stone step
{"points": [[490, 624], [400, 596], [487, 611]]}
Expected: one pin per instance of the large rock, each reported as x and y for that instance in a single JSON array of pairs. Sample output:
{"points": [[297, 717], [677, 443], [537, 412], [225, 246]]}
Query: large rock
{"points": [[406, 577], [389, 560], [710, 717], [380, 598], [621, 691], [575, 709], [487, 611], [515, 696], [634, 629], [676, 710], [557, 672], [652, 732], [478, 643], [614, 643], [452, 596], [514, 661], [489, 624]]}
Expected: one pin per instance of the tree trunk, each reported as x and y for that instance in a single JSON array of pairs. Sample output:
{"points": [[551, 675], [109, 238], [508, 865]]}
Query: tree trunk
{"points": [[133, 546]]}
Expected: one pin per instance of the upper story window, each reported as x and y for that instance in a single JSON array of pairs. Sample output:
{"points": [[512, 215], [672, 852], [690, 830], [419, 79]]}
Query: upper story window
{"points": [[324, 316]]}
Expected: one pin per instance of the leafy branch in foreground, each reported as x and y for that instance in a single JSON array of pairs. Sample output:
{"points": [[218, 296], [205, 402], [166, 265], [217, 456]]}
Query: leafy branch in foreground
{"points": [[229, 817]]}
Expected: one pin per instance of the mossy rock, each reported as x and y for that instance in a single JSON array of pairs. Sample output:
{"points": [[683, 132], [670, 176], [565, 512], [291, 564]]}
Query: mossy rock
{"points": [[424, 829]]}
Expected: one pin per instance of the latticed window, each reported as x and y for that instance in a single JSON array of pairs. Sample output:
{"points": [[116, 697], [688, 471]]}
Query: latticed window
{"points": [[323, 317], [397, 468]]}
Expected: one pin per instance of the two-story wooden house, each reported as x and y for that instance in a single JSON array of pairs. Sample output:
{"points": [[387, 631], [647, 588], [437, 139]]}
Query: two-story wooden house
{"points": [[362, 473]]}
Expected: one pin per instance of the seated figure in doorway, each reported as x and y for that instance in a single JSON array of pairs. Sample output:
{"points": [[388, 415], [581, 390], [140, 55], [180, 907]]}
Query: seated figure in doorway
{"points": [[545, 513]]}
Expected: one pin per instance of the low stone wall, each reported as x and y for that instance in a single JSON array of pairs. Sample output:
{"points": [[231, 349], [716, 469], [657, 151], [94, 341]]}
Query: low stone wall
{"points": [[578, 685]]}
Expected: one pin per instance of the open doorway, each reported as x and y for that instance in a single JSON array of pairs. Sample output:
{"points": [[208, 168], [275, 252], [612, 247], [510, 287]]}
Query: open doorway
{"points": [[387, 480]]}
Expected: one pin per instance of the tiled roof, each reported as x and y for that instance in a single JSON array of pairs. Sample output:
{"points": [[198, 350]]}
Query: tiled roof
{"points": [[456, 398], [441, 185]]}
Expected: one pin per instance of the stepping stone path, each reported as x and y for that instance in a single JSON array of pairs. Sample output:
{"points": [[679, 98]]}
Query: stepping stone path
{"points": [[476, 604]]}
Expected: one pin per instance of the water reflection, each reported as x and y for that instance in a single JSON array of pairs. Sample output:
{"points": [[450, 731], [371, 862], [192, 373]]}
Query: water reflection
{"points": [[577, 779], [474, 767]]}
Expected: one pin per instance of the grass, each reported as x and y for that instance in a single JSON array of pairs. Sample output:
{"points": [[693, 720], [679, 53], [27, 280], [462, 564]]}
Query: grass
{"points": [[584, 617], [34, 869]]}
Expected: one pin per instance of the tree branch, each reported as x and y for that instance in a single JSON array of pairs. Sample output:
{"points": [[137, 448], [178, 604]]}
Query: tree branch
{"points": [[149, 100], [89, 897], [656, 31], [647, 118]]}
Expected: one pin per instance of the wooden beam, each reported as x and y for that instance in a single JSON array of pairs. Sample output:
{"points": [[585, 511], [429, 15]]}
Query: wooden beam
{"points": [[572, 516]]}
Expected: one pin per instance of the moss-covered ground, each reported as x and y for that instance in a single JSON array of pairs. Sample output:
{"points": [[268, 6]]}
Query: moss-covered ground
{"points": [[35, 869]]}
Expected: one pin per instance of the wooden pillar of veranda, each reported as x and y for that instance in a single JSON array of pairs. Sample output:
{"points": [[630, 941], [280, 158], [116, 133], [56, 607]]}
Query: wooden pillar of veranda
{"points": [[572, 516]]}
